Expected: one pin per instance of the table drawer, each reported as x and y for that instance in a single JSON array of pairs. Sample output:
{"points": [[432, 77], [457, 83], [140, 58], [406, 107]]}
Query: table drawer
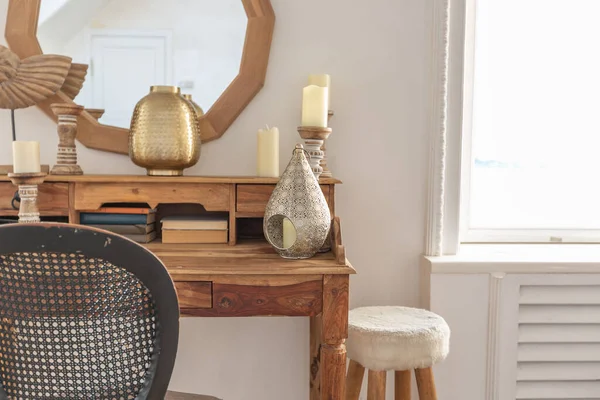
{"points": [[53, 198], [194, 295], [244, 296], [213, 196], [254, 198]]}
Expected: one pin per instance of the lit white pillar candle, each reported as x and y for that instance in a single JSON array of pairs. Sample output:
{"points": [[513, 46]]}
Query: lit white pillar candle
{"points": [[314, 106], [322, 80], [289, 233], [26, 157], [267, 152]]}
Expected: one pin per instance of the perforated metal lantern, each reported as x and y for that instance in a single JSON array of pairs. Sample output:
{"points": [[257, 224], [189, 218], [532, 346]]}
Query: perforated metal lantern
{"points": [[298, 197]]}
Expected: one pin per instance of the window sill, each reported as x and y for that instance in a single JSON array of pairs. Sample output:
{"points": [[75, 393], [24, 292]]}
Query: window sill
{"points": [[519, 259]]}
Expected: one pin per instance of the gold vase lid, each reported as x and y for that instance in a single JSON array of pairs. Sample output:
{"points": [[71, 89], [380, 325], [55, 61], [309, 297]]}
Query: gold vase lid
{"points": [[165, 89]]}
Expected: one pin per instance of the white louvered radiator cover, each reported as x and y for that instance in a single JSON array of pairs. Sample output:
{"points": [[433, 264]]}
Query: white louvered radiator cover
{"points": [[558, 351]]}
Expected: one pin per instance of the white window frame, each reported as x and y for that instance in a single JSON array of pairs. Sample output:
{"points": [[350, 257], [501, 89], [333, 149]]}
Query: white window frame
{"points": [[450, 142], [445, 127]]}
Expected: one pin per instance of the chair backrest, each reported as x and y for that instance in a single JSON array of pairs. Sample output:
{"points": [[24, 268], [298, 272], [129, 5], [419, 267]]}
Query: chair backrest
{"points": [[84, 314]]}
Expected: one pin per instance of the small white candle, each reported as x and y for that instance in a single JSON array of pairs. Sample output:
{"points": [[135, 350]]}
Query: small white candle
{"points": [[26, 157], [289, 233], [314, 106], [267, 154], [322, 80]]}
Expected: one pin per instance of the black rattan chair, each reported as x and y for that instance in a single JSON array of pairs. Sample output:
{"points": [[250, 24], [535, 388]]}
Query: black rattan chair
{"points": [[84, 314]]}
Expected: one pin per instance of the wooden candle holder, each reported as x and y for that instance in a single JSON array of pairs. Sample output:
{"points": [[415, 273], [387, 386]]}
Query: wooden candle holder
{"points": [[28, 192], [326, 171], [314, 137], [66, 158], [97, 113], [7, 169]]}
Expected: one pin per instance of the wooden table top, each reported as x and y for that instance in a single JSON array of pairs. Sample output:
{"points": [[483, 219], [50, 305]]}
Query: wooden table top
{"points": [[189, 262], [167, 179]]}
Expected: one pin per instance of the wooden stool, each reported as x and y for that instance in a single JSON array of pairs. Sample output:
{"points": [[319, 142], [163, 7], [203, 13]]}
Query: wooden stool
{"points": [[397, 339]]}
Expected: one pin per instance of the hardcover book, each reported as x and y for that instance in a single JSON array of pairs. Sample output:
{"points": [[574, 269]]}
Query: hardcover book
{"points": [[116, 219], [190, 236], [127, 229], [142, 238], [196, 222]]}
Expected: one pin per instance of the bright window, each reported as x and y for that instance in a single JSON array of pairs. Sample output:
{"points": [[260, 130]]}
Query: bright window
{"points": [[534, 162]]}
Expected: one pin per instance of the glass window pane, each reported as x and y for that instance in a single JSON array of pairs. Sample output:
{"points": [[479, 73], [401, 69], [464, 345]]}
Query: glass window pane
{"points": [[536, 131]]}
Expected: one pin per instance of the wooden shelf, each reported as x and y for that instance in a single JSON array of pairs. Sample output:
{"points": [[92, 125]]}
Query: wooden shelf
{"points": [[45, 213], [168, 179], [249, 214], [192, 262]]}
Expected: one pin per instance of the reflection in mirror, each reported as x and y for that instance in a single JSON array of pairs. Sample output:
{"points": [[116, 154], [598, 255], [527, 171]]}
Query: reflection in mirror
{"points": [[133, 44]]}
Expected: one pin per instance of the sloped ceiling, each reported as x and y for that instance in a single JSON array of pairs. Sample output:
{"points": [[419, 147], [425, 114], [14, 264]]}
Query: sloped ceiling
{"points": [[60, 20]]}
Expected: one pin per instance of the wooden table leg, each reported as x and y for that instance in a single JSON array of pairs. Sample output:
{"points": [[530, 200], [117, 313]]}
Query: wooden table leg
{"points": [[316, 324], [334, 335]]}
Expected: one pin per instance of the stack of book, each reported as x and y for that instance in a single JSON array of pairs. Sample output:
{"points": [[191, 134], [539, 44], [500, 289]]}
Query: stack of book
{"points": [[136, 224], [195, 229]]}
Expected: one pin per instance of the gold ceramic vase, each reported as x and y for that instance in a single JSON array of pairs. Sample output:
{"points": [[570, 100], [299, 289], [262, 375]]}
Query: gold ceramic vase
{"points": [[199, 110], [164, 137]]}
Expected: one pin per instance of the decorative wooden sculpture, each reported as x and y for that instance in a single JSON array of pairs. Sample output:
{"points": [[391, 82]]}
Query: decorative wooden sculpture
{"points": [[75, 80], [27, 82], [66, 158], [28, 192], [314, 137]]}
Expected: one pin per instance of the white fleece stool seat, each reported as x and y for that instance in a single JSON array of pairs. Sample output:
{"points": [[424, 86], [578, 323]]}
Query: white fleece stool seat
{"points": [[396, 338], [401, 339]]}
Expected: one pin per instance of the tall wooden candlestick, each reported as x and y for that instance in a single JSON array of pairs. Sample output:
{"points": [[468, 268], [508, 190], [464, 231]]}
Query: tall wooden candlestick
{"points": [[326, 171], [66, 162], [27, 183], [314, 136]]}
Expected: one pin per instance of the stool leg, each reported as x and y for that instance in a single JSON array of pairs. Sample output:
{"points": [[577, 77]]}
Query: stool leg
{"points": [[376, 385], [402, 385], [426, 384], [354, 380]]}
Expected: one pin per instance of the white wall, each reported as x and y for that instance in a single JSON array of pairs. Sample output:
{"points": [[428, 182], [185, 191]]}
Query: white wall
{"points": [[378, 53]]}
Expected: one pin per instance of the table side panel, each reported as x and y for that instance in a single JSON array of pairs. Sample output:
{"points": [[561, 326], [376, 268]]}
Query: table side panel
{"points": [[194, 294], [53, 198]]}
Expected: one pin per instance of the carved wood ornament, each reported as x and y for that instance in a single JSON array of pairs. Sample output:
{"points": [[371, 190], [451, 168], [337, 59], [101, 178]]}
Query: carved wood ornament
{"points": [[21, 35], [24, 83]]}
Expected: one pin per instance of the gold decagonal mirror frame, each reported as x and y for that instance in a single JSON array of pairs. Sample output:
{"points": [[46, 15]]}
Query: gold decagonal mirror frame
{"points": [[21, 35]]}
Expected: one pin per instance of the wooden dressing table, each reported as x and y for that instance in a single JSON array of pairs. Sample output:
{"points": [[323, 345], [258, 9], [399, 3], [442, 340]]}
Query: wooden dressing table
{"points": [[242, 278]]}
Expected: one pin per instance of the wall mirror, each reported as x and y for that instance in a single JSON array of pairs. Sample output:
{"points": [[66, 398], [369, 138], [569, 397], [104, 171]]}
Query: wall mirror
{"points": [[215, 50]]}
